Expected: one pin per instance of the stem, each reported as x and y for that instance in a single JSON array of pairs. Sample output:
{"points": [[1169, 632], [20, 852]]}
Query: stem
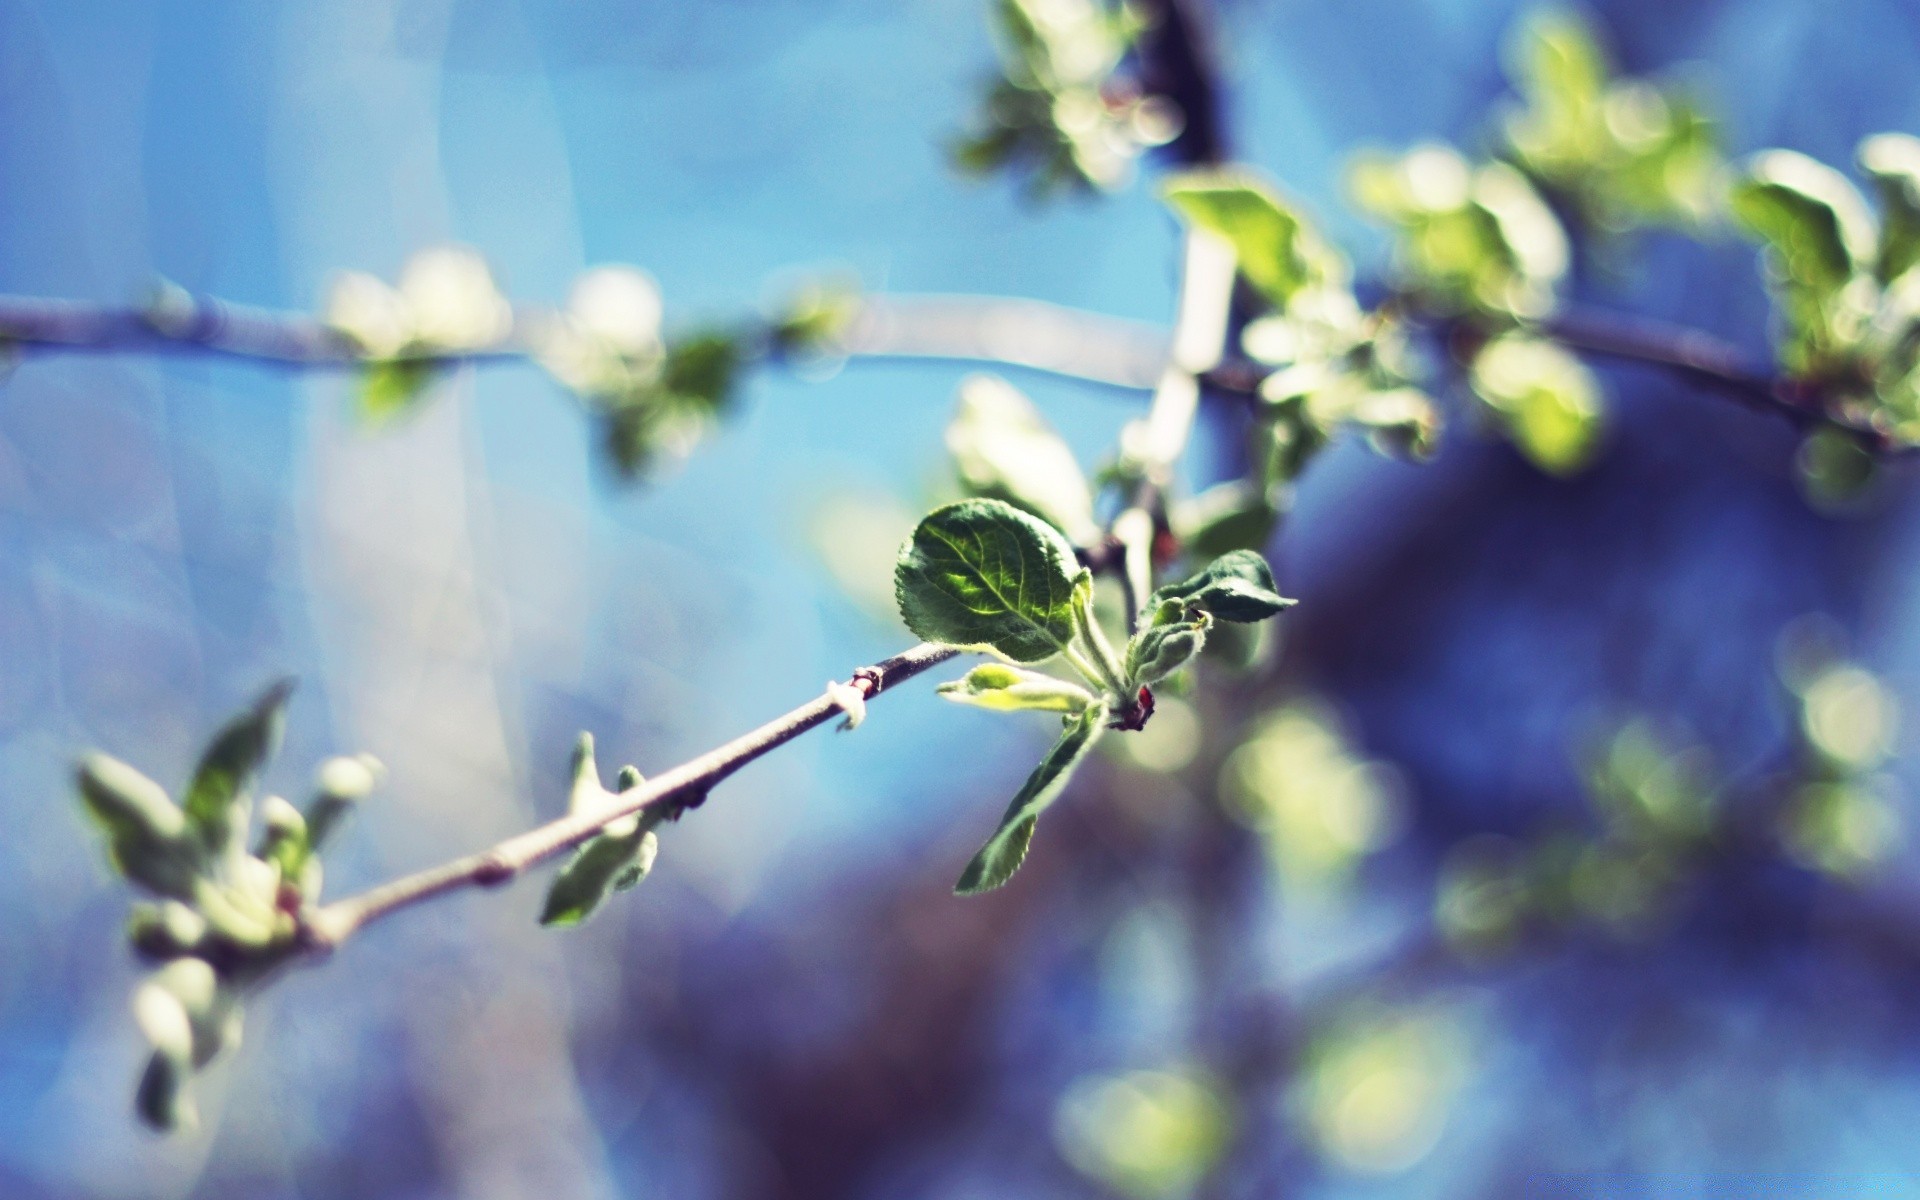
{"points": [[1199, 337], [1091, 671], [1024, 334], [1030, 334], [669, 793], [1701, 357]]}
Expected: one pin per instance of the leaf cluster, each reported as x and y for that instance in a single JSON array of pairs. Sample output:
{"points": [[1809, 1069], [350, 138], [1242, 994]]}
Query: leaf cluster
{"points": [[1060, 112], [225, 914]]}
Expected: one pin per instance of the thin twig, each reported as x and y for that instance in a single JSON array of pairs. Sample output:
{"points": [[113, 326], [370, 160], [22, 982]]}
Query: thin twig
{"points": [[671, 792]]}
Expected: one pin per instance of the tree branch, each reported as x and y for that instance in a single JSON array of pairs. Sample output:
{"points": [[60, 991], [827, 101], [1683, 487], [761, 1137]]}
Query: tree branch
{"points": [[672, 793], [1018, 333], [1716, 365]]}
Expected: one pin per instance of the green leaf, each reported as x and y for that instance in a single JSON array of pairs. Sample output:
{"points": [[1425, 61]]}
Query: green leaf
{"points": [[1005, 688], [1004, 449], [391, 387], [1558, 65], [216, 800], [1809, 215], [983, 573], [703, 367], [1234, 587], [611, 861], [147, 835], [1478, 238], [1277, 252], [1547, 400], [1007, 848], [1893, 160]]}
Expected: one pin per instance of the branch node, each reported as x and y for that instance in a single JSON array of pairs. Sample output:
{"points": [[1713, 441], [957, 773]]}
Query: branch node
{"points": [[495, 869]]}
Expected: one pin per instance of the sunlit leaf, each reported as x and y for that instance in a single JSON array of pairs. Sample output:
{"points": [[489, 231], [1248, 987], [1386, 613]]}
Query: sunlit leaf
{"points": [[1547, 400], [1005, 688], [984, 573], [1812, 219], [148, 837], [1893, 162], [1276, 252], [1004, 449]]}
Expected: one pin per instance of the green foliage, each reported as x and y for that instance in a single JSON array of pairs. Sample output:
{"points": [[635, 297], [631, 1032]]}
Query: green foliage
{"points": [[1007, 848], [225, 919], [1296, 780], [446, 305], [1834, 470], [667, 413], [1177, 632], [1847, 299], [1003, 449], [984, 573], [1820, 239], [1004, 688], [1546, 400], [1892, 161], [1276, 250], [815, 319], [393, 387], [1334, 365], [1471, 239], [1149, 1135], [1234, 587], [611, 861], [1842, 817], [1620, 153], [218, 798], [1058, 112]]}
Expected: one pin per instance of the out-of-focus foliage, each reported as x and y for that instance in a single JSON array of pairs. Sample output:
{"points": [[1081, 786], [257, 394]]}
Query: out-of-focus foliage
{"points": [[1375, 1089], [1471, 238], [1149, 1135], [1062, 113], [1318, 807], [1334, 365], [1003, 449], [1846, 294], [1620, 154], [1544, 397], [1662, 816], [224, 917], [446, 304]]}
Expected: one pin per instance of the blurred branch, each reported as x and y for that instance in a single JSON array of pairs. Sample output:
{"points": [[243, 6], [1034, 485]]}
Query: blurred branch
{"points": [[1717, 365], [684, 787], [181, 323], [1021, 333]]}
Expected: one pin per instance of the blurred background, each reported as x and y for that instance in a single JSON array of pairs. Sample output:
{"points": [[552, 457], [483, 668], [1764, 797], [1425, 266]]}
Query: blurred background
{"points": [[1556, 851]]}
